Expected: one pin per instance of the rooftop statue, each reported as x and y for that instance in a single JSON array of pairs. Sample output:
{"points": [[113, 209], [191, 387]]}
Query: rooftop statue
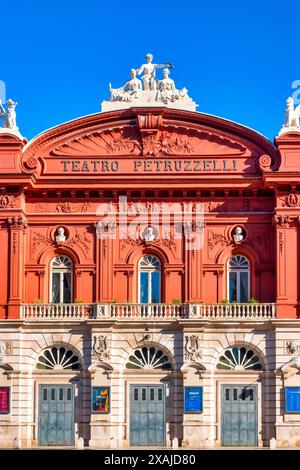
{"points": [[149, 91], [292, 117], [9, 117], [149, 80], [128, 92]]}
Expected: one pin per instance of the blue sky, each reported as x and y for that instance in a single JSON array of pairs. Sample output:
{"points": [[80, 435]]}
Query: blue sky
{"points": [[237, 59]]}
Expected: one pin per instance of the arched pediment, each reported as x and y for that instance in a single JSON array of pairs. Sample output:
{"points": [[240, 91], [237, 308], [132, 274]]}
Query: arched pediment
{"points": [[147, 141]]}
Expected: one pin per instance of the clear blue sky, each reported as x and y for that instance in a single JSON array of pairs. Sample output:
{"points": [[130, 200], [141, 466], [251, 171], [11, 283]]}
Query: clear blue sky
{"points": [[237, 59]]}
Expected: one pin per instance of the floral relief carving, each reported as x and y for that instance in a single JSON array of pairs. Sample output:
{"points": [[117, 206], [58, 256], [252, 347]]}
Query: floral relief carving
{"points": [[42, 239], [122, 144], [41, 207], [151, 141], [80, 239], [165, 143], [281, 242], [168, 241], [39, 239], [107, 142], [215, 239], [17, 223], [126, 242], [282, 221]]}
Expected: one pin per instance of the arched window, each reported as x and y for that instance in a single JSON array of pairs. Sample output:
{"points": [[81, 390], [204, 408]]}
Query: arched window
{"points": [[238, 279], [239, 358], [149, 280], [61, 280], [148, 358], [58, 358]]}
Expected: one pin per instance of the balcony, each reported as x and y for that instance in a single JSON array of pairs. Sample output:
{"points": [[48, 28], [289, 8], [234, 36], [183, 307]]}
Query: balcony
{"points": [[145, 312]]}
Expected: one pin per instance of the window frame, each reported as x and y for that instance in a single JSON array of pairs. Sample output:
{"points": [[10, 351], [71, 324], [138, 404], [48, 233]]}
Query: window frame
{"points": [[61, 271], [238, 272], [149, 272]]}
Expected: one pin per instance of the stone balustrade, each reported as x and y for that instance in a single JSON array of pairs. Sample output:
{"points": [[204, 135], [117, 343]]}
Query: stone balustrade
{"points": [[57, 311], [144, 312], [234, 311]]}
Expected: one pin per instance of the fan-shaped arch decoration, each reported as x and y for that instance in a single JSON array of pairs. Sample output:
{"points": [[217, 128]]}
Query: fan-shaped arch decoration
{"points": [[148, 358], [239, 261], [61, 262], [58, 358], [239, 358], [149, 262]]}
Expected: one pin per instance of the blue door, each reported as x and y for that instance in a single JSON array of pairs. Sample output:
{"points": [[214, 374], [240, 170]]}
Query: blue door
{"points": [[147, 415], [239, 415], [56, 415]]}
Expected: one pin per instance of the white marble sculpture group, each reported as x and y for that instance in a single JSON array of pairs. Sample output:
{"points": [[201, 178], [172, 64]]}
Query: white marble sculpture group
{"points": [[9, 117], [149, 91]]}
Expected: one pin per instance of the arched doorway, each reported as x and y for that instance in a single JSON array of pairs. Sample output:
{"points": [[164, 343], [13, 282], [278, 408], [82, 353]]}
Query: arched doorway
{"points": [[239, 401], [56, 415], [148, 400]]}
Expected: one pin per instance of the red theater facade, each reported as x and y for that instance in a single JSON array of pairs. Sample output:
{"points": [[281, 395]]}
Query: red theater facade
{"points": [[140, 340]]}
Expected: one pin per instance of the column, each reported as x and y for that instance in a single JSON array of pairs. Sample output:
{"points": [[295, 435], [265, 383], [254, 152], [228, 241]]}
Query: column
{"points": [[16, 273]]}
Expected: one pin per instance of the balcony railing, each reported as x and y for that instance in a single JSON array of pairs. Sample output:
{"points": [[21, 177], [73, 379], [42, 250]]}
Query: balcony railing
{"points": [[232, 311], [57, 311], [144, 312]]}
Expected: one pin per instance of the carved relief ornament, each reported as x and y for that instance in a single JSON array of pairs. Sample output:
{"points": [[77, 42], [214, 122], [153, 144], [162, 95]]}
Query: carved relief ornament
{"points": [[292, 200], [78, 238], [215, 239], [150, 139], [100, 349], [265, 162], [17, 223], [7, 201], [282, 221], [292, 347], [192, 348]]}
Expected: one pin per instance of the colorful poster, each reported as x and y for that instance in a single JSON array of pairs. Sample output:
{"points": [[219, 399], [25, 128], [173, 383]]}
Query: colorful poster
{"points": [[100, 399], [4, 399], [192, 399]]}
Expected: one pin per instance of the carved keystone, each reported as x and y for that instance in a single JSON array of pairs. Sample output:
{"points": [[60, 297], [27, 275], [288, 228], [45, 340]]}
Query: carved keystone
{"points": [[149, 125]]}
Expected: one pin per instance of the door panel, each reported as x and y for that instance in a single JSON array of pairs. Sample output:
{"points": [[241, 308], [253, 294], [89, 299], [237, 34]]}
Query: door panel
{"points": [[56, 415], [239, 415], [147, 415]]}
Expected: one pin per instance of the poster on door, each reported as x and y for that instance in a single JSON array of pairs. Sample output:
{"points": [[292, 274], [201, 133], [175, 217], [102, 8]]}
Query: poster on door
{"points": [[100, 399], [4, 399]]}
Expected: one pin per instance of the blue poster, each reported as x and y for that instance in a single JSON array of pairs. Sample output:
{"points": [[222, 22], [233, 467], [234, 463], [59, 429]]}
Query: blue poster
{"points": [[193, 399], [292, 399]]}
